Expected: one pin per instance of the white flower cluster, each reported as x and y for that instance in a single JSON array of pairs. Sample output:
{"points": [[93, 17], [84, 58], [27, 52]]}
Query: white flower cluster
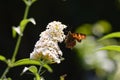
{"points": [[47, 46]]}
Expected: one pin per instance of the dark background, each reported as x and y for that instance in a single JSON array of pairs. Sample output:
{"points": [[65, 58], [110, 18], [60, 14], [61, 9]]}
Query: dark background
{"points": [[73, 13]]}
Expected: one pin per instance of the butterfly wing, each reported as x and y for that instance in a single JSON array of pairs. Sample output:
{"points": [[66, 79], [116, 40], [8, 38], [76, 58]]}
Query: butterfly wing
{"points": [[79, 36], [70, 41], [70, 44], [72, 37]]}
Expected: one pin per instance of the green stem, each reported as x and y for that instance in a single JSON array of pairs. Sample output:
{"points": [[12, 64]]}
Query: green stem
{"points": [[39, 72], [41, 66], [16, 48], [26, 11], [5, 72], [17, 45], [20, 37]]}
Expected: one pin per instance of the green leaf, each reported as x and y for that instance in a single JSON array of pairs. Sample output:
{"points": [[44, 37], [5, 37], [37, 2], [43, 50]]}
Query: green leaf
{"points": [[13, 32], [2, 58], [33, 69], [6, 79], [9, 79], [111, 35], [112, 47], [24, 22], [28, 61], [48, 67], [102, 26], [63, 77], [85, 28]]}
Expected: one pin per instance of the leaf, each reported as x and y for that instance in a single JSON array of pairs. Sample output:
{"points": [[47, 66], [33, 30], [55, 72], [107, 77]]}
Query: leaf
{"points": [[48, 67], [13, 32], [111, 35], [24, 22], [63, 77], [9, 79], [85, 28], [33, 69], [113, 48], [102, 26], [28, 61], [6, 79], [2, 58]]}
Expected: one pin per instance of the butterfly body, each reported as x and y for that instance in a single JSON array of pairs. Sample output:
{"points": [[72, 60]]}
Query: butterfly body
{"points": [[72, 37]]}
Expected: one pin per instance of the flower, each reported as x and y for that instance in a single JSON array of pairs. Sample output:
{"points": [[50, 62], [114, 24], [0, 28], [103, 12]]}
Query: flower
{"points": [[46, 47], [54, 31]]}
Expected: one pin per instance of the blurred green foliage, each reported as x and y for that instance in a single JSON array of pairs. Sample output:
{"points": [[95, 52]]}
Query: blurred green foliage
{"points": [[99, 54]]}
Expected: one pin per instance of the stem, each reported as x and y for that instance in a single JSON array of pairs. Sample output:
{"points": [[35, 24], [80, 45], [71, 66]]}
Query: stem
{"points": [[17, 45], [16, 48], [40, 68], [26, 11], [20, 37], [5, 72], [40, 72]]}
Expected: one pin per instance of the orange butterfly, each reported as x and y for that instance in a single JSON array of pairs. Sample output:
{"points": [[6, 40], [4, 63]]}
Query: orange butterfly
{"points": [[72, 37]]}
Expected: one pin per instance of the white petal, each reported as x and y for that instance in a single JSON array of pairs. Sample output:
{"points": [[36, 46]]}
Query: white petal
{"points": [[17, 29], [32, 20], [25, 69]]}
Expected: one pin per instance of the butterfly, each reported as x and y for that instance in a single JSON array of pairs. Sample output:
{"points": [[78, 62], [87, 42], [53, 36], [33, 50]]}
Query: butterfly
{"points": [[71, 38]]}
